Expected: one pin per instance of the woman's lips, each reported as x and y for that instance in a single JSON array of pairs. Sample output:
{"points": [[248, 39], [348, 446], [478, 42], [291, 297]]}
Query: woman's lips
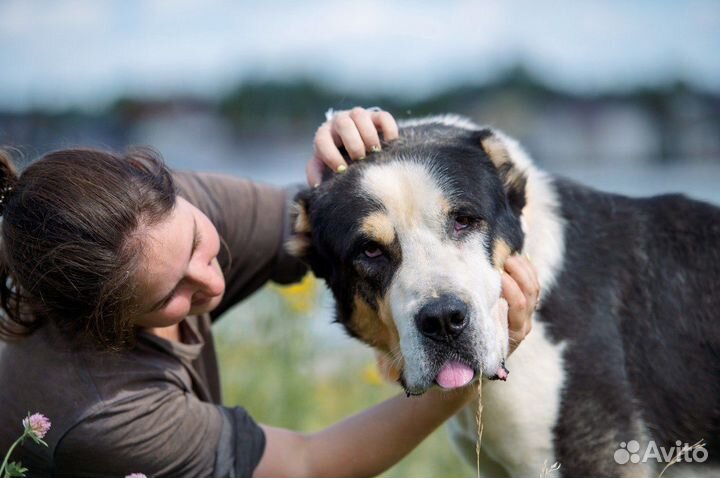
{"points": [[202, 301]]}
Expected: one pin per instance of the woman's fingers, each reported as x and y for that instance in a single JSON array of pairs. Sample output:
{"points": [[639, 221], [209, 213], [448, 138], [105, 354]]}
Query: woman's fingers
{"points": [[523, 272], [366, 128], [357, 130], [344, 126], [326, 148], [314, 171], [521, 289], [385, 123], [518, 312]]}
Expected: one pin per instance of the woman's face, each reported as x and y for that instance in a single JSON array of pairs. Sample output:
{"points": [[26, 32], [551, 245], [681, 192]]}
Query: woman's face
{"points": [[180, 275]]}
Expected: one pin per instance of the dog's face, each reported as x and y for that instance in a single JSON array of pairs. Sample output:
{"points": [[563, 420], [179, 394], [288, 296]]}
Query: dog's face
{"points": [[411, 242]]}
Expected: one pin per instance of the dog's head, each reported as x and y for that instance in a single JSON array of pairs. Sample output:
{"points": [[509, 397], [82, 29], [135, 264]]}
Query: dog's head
{"points": [[412, 242]]}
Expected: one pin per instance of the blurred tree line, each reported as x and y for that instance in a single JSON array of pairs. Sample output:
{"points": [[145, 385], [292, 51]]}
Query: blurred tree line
{"points": [[685, 121]]}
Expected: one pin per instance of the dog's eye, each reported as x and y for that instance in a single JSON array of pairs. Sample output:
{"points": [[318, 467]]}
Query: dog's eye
{"points": [[372, 251], [462, 222]]}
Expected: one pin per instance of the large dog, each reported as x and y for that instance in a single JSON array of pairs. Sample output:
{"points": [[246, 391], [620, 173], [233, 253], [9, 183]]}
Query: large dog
{"points": [[624, 358]]}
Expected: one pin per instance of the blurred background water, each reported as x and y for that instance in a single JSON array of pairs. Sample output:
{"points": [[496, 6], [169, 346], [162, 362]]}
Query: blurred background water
{"points": [[622, 96]]}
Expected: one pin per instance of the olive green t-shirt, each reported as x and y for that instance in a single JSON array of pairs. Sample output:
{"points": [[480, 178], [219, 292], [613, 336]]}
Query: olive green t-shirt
{"points": [[155, 409]]}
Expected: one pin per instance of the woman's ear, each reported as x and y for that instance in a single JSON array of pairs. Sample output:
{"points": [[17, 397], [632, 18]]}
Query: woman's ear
{"points": [[513, 178], [301, 242]]}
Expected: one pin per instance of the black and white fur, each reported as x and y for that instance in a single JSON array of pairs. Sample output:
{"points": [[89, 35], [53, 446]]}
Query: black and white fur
{"points": [[626, 344]]}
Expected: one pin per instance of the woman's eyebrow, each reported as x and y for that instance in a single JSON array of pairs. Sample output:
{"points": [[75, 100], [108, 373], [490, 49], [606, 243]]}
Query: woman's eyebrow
{"points": [[193, 248]]}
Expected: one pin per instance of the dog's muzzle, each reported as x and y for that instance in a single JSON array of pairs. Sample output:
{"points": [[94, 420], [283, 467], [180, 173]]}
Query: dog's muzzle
{"points": [[443, 319]]}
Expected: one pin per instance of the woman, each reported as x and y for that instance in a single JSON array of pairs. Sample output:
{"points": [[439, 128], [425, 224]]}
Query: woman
{"points": [[113, 271]]}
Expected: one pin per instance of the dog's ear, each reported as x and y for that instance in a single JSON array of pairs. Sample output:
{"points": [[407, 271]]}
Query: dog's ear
{"points": [[300, 244], [513, 178], [300, 241]]}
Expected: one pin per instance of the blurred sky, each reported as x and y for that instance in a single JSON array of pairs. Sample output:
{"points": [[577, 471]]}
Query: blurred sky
{"points": [[87, 52]]}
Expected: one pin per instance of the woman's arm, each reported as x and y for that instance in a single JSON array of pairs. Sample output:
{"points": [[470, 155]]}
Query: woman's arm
{"points": [[370, 442], [365, 444]]}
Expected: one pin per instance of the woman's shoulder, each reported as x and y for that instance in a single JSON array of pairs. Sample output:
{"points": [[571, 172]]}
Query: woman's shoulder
{"points": [[95, 400], [46, 373], [39, 374]]}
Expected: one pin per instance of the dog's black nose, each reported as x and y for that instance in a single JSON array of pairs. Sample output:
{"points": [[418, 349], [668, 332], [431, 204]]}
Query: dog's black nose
{"points": [[443, 319]]}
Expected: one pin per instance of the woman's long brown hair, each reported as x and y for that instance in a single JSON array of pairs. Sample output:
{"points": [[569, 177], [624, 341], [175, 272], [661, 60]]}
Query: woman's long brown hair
{"points": [[70, 248]]}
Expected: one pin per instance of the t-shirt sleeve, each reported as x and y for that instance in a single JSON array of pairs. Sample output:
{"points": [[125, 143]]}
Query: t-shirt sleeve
{"points": [[169, 435], [253, 221]]}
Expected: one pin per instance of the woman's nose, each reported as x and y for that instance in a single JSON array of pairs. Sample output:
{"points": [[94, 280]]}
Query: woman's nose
{"points": [[208, 277]]}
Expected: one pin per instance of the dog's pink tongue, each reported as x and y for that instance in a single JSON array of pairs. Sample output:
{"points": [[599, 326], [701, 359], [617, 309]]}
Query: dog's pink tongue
{"points": [[454, 375]]}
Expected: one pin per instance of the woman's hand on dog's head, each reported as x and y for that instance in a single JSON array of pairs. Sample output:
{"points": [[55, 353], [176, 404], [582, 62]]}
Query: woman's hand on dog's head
{"points": [[358, 130], [521, 290]]}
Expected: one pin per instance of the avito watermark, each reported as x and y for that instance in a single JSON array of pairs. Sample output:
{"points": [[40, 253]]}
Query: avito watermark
{"points": [[682, 452]]}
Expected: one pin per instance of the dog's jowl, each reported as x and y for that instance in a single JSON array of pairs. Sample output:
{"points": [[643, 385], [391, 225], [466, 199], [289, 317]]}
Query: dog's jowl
{"points": [[626, 346]]}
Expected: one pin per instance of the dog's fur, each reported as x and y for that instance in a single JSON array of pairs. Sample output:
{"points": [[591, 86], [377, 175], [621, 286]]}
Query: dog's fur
{"points": [[626, 344]]}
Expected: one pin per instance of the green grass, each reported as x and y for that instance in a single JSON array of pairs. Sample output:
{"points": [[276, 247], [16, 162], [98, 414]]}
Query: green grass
{"points": [[272, 364]]}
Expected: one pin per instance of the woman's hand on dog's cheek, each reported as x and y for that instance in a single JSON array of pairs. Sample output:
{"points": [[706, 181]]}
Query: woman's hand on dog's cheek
{"points": [[357, 131], [520, 289]]}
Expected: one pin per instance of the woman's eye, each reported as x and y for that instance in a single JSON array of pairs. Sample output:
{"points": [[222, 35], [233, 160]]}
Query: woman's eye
{"points": [[167, 301], [372, 251]]}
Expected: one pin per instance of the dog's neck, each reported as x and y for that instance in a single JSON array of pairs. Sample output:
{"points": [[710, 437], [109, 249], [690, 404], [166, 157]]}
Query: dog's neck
{"points": [[543, 227]]}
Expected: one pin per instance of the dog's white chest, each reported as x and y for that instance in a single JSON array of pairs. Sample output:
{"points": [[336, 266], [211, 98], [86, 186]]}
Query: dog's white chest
{"points": [[518, 415]]}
